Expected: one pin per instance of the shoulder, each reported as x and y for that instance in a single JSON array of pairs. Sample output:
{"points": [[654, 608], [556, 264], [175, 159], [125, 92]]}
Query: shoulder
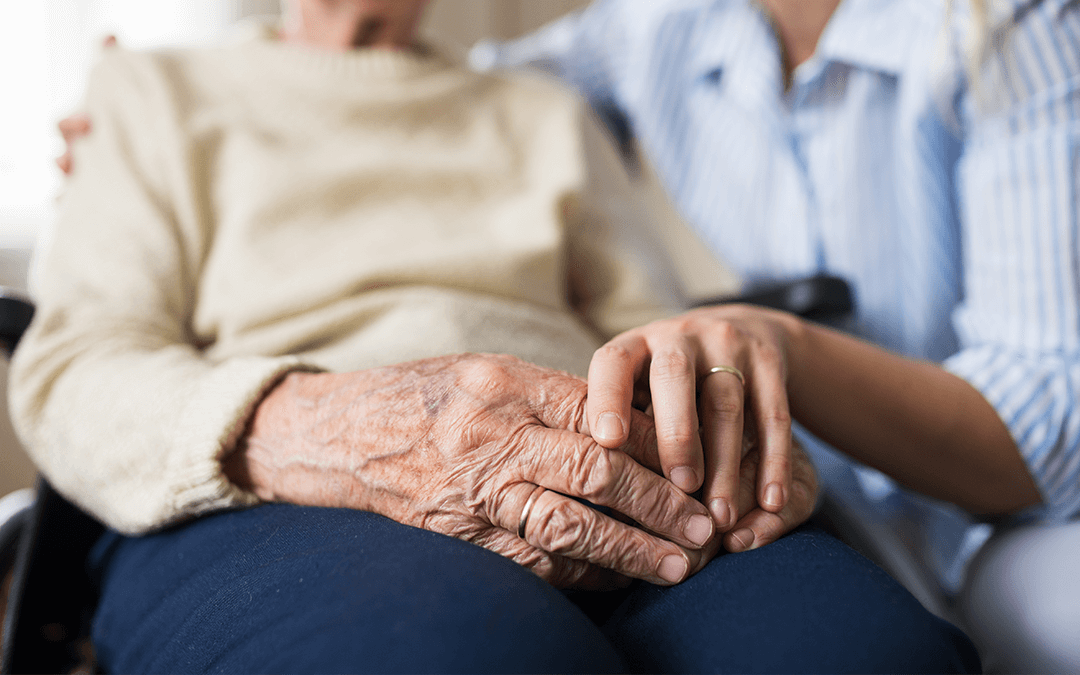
{"points": [[129, 92], [1022, 64], [127, 72], [551, 125], [158, 78]]}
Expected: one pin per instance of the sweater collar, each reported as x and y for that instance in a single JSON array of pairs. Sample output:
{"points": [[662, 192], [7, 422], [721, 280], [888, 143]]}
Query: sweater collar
{"points": [[357, 64]]}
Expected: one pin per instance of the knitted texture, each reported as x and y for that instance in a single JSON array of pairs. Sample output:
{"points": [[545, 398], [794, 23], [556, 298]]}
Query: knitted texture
{"points": [[244, 211]]}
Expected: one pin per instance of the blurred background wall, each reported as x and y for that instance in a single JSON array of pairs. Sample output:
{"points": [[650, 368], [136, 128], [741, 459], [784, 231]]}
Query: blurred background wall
{"points": [[47, 48]]}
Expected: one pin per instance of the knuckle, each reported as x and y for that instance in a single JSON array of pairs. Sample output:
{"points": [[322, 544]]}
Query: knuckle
{"points": [[658, 505], [577, 413], [778, 462], [614, 353], [767, 352], [483, 372], [594, 473], [501, 501], [671, 365], [725, 331], [680, 325], [676, 435], [726, 405], [560, 531], [777, 418], [664, 508]]}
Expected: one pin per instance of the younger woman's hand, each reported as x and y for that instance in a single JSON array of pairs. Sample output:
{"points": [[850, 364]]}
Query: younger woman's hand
{"points": [[75, 126], [706, 421]]}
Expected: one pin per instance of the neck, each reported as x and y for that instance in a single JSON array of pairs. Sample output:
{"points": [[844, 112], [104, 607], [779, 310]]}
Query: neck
{"points": [[345, 26], [799, 25]]}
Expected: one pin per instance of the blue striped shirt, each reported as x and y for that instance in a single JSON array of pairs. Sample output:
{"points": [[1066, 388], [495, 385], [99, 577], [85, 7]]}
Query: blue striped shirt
{"points": [[950, 203]]}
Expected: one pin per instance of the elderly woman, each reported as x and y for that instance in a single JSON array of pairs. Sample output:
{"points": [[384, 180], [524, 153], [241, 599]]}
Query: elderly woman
{"points": [[327, 268]]}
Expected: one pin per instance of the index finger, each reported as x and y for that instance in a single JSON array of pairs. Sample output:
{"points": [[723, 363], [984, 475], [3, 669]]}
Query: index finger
{"points": [[610, 478], [612, 372]]}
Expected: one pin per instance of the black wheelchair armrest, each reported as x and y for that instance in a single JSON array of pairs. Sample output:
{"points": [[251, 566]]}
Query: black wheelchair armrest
{"points": [[818, 298], [43, 547], [51, 599], [15, 315]]}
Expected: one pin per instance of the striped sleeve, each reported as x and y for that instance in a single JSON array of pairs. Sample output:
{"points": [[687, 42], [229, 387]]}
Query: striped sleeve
{"points": [[1019, 182]]}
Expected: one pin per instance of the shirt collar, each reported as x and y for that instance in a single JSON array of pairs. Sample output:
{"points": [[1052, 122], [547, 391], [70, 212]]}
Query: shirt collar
{"points": [[733, 41], [879, 34], [729, 33], [870, 34]]}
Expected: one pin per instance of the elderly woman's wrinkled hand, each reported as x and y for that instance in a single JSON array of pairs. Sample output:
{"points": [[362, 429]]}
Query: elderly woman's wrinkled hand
{"points": [[480, 447], [757, 526], [709, 375]]}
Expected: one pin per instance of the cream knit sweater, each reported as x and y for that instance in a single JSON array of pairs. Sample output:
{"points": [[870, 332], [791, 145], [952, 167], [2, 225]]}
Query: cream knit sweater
{"points": [[243, 211]]}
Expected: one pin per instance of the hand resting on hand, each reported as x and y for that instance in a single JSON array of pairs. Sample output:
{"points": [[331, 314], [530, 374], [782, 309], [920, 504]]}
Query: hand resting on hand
{"points": [[457, 444]]}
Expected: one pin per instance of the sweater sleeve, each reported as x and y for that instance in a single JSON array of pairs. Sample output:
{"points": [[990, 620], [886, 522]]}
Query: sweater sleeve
{"points": [[110, 391], [1019, 185]]}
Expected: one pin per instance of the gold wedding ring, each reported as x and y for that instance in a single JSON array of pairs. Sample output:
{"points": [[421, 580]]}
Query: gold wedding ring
{"points": [[725, 369], [524, 520]]}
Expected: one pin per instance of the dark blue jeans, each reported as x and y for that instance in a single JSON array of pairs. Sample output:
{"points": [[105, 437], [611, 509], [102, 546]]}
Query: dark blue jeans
{"points": [[282, 588]]}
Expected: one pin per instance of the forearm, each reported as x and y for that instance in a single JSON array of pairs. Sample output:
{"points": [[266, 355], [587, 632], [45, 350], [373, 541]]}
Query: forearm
{"points": [[132, 434], [321, 439], [913, 420]]}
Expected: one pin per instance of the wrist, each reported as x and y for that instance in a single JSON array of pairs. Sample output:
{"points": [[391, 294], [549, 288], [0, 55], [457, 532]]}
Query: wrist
{"points": [[794, 335], [267, 420]]}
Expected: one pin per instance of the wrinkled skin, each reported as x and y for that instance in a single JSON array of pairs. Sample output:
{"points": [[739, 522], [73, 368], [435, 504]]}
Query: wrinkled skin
{"points": [[340, 25], [456, 445]]}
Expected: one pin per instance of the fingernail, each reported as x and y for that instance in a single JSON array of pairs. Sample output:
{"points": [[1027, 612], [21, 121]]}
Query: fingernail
{"points": [[608, 427], [774, 495], [721, 512], [684, 478], [672, 568], [699, 529], [744, 537]]}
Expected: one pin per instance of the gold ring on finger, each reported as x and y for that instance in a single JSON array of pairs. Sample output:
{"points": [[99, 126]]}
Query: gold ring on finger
{"points": [[725, 369], [524, 519]]}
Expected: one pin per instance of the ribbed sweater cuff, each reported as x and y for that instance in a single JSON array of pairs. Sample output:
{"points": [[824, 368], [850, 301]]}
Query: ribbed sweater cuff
{"points": [[210, 423]]}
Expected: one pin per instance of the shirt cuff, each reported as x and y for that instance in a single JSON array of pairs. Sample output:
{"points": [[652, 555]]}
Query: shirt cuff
{"points": [[1035, 395]]}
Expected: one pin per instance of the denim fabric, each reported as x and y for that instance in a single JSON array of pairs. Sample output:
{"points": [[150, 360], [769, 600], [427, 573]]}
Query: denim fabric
{"points": [[282, 588]]}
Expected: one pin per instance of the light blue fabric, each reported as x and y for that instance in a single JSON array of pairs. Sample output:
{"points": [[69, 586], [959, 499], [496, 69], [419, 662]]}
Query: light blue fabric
{"points": [[950, 206]]}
